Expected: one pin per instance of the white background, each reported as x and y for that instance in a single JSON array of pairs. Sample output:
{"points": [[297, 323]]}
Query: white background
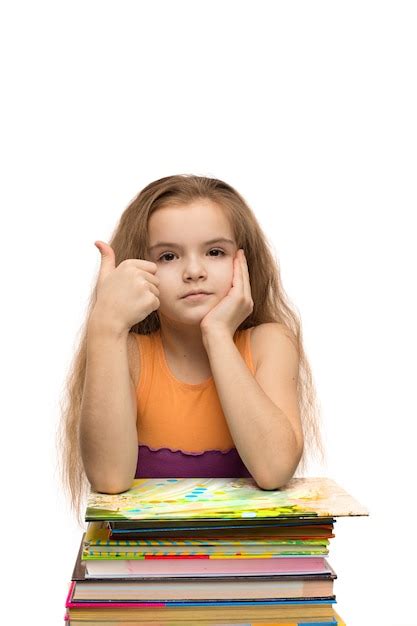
{"points": [[309, 110]]}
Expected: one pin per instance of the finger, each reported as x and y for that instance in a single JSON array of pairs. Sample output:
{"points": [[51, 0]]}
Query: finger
{"points": [[107, 258], [154, 290], [238, 273], [148, 267], [245, 276], [152, 279]]}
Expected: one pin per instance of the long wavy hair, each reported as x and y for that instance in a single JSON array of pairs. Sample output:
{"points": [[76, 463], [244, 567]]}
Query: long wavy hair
{"points": [[271, 304]]}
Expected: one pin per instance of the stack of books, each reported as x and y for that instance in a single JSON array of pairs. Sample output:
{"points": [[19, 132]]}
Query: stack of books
{"points": [[178, 551]]}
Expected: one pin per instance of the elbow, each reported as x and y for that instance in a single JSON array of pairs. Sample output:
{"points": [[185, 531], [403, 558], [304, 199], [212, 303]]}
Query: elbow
{"points": [[273, 483], [111, 480], [273, 478], [111, 487]]}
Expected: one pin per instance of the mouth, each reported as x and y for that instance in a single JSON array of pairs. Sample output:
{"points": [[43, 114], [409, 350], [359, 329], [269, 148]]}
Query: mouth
{"points": [[196, 296]]}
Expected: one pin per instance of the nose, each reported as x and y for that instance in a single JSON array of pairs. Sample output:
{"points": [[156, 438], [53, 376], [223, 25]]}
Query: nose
{"points": [[194, 269]]}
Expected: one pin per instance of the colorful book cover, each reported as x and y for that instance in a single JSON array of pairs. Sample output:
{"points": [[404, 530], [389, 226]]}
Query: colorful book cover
{"points": [[205, 553], [100, 534], [198, 569], [131, 529], [222, 498], [260, 589], [193, 569], [97, 547], [338, 619], [317, 613], [75, 593], [276, 622]]}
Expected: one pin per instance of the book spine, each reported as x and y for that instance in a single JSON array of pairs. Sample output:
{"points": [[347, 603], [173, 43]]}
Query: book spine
{"points": [[70, 592], [134, 605]]}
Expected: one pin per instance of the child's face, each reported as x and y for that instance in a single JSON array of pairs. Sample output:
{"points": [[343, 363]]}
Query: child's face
{"points": [[191, 264]]}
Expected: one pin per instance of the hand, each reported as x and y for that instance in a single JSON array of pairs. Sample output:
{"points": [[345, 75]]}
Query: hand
{"points": [[236, 305], [126, 294]]}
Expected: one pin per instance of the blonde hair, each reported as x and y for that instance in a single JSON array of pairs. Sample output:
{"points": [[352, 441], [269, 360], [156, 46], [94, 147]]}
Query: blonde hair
{"points": [[129, 241]]}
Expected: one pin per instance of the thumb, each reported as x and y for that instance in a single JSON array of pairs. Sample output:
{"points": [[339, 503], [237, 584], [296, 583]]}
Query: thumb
{"points": [[108, 258]]}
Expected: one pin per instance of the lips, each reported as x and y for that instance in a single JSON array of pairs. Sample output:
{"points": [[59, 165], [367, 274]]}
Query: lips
{"points": [[196, 293]]}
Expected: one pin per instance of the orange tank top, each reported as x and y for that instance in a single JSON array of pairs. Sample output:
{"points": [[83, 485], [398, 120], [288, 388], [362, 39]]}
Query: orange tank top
{"points": [[178, 417], [175, 414]]}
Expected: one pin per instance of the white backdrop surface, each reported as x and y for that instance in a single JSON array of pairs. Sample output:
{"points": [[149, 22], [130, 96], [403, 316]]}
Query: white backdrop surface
{"points": [[308, 110]]}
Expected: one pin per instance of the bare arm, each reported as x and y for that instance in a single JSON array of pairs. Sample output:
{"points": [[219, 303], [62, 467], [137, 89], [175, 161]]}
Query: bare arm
{"points": [[108, 436], [262, 411]]}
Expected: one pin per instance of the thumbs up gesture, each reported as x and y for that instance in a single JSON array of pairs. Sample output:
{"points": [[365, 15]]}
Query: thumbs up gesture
{"points": [[126, 294], [108, 259]]}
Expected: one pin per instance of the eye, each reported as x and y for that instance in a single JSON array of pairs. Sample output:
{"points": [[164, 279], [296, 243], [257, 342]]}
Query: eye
{"points": [[164, 255], [222, 253]]}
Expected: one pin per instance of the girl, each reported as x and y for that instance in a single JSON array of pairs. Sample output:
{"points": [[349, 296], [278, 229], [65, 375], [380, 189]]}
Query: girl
{"points": [[191, 362]]}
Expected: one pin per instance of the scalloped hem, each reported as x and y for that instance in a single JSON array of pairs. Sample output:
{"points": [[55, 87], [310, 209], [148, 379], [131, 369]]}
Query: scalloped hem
{"points": [[186, 453]]}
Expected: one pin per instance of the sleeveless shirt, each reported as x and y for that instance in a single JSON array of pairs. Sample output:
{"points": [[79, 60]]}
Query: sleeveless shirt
{"points": [[182, 430]]}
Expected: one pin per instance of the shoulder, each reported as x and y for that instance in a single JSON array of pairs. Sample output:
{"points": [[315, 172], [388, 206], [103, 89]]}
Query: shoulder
{"points": [[133, 354], [273, 337]]}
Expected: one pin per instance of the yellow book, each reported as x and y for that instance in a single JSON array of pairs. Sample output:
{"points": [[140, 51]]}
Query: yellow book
{"points": [[221, 615], [340, 622]]}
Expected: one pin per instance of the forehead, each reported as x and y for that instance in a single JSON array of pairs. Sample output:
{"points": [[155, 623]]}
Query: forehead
{"points": [[199, 220]]}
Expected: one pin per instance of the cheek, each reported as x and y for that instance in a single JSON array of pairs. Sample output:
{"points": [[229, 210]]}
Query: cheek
{"points": [[164, 273], [164, 283], [226, 276]]}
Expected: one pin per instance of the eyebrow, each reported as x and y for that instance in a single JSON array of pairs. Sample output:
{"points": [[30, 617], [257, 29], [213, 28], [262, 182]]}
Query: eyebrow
{"points": [[167, 244]]}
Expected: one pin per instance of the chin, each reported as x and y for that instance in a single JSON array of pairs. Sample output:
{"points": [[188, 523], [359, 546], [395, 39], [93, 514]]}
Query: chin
{"points": [[189, 320]]}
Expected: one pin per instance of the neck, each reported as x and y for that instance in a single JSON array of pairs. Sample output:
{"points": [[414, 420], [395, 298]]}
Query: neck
{"points": [[182, 340]]}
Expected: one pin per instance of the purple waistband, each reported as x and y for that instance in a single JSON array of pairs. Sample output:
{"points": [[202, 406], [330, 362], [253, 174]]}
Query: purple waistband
{"points": [[165, 463]]}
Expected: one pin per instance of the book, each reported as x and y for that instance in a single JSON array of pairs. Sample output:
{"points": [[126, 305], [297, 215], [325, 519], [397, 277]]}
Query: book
{"points": [[203, 568], [306, 621], [314, 587], [319, 612], [209, 551], [182, 527], [222, 498], [101, 533], [192, 569]]}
